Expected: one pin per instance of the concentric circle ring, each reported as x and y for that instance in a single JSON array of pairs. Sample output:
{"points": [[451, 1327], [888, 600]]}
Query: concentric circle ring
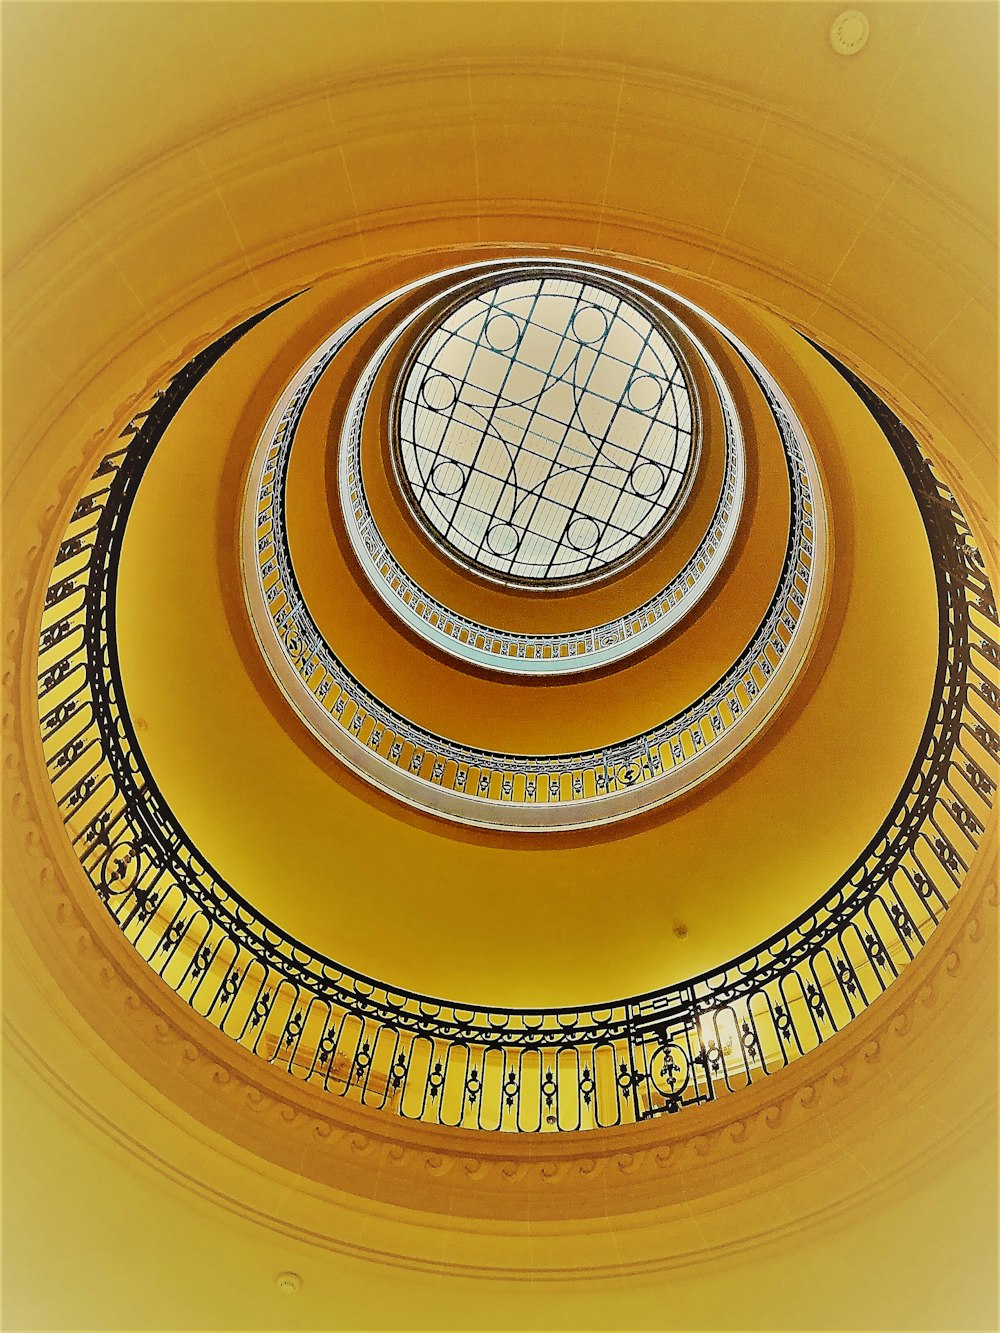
{"points": [[525, 792], [488, 645], [685, 1043]]}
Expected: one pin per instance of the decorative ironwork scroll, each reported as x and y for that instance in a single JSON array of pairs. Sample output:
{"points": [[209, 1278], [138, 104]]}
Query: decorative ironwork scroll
{"points": [[463, 1064]]}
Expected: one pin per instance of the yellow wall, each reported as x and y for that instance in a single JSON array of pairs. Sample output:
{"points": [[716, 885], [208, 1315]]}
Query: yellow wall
{"points": [[441, 909], [170, 168]]}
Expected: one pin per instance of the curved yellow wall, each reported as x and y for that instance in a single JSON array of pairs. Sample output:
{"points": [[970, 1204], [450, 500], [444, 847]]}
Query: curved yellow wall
{"points": [[516, 920], [169, 169]]}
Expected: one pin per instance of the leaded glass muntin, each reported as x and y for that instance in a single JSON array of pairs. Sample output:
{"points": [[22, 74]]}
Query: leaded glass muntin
{"points": [[658, 506]]}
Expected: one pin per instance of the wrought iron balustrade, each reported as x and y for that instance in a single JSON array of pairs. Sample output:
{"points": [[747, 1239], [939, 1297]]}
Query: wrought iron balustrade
{"points": [[468, 1065]]}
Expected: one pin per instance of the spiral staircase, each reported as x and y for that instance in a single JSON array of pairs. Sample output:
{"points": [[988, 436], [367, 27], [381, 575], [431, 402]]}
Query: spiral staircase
{"points": [[501, 680]]}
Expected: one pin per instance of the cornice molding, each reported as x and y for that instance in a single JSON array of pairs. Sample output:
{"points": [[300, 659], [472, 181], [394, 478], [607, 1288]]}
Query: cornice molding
{"points": [[462, 70]]}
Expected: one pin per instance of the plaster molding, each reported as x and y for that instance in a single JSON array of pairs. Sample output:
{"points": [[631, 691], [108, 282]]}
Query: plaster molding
{"points": [[461, 70]]}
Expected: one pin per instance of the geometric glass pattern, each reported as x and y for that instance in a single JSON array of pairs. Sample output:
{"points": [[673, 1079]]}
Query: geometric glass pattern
{"points": [[545, 430]]}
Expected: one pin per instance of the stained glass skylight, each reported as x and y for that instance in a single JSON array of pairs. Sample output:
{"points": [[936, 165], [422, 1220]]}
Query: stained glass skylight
{"points": [[545, 430]]}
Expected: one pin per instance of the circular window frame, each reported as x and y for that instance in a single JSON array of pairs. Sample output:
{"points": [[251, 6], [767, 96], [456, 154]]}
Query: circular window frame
{"points": [[431, 324]]}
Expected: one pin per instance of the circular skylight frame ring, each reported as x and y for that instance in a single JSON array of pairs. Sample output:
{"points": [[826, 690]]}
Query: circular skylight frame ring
{"points": [[514, 652], [657, 318]]}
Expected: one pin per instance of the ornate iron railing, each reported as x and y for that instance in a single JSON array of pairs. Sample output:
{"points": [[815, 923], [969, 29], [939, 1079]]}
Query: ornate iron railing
{"points": [[524, 791], [471, 1065]]}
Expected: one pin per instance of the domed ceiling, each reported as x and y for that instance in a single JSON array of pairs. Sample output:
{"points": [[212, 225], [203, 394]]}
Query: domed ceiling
{"points": [[204, 745], [507, 658]]}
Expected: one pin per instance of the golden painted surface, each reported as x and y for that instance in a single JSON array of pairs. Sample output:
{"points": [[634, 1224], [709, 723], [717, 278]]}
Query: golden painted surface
{"points": [[406, 898], [170, 168]]}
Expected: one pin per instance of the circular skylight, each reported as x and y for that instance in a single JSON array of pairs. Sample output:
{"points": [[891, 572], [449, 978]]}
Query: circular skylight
{"points": [[545, 430]]}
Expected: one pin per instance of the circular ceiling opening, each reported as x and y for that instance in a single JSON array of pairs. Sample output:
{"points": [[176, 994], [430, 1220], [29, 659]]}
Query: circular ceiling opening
{"points": [[544, 430]]}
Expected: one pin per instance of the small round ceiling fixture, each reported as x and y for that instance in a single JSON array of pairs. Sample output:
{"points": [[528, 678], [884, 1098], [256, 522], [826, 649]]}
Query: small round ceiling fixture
{"points": [[288, 1283], [849, 32]]}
